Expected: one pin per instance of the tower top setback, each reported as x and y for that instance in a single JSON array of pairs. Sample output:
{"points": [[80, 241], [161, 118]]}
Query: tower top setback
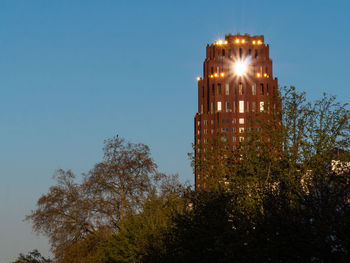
{"points": [[240, 39]]}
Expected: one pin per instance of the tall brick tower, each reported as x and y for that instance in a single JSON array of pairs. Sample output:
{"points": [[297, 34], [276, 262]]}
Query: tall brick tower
{"points": [[237, 85]]}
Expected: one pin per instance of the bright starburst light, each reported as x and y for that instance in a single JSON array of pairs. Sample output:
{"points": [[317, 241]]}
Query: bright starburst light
{"points": [[241, 67]]}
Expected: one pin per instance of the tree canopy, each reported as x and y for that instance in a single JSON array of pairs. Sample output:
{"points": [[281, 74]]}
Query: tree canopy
{"points": [[32, 257], [281, 195]]}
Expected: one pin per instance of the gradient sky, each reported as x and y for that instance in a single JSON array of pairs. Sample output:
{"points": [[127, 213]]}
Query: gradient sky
{"points": [[73, 73]]}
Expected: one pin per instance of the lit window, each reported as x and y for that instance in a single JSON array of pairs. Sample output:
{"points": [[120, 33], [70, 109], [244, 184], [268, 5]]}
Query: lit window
{"points": [[228, 109], [198, 123], [241, 130], [227, 89], [212, 131], [219, 105], [261, 106], [241, 106], [253, 106], [241, 139], [241, 120], [198, 132], [199, 141], [212, 122], [254, 89], [240, 89]]}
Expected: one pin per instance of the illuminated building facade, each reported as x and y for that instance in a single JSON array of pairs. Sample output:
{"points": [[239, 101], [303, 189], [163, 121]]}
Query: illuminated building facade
{"points": [[237, 85]]}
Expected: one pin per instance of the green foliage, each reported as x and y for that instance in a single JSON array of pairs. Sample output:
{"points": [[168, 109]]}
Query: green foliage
{"points": [[141, 238], [277, 197], [282, 195]]}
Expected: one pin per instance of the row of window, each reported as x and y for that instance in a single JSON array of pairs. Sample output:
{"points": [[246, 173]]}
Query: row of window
{"points": [[233, 108], [240, 130], [224, 139], [219, 70], [226, 130], [224, 121], [233, 53], [241, 89]]}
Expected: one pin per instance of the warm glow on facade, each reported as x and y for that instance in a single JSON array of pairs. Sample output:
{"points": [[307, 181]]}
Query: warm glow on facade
{"points": [[237, 84]]}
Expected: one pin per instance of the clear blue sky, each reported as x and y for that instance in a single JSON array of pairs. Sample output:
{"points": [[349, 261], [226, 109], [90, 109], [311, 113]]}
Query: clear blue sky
{"points": [[73, 73]]}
